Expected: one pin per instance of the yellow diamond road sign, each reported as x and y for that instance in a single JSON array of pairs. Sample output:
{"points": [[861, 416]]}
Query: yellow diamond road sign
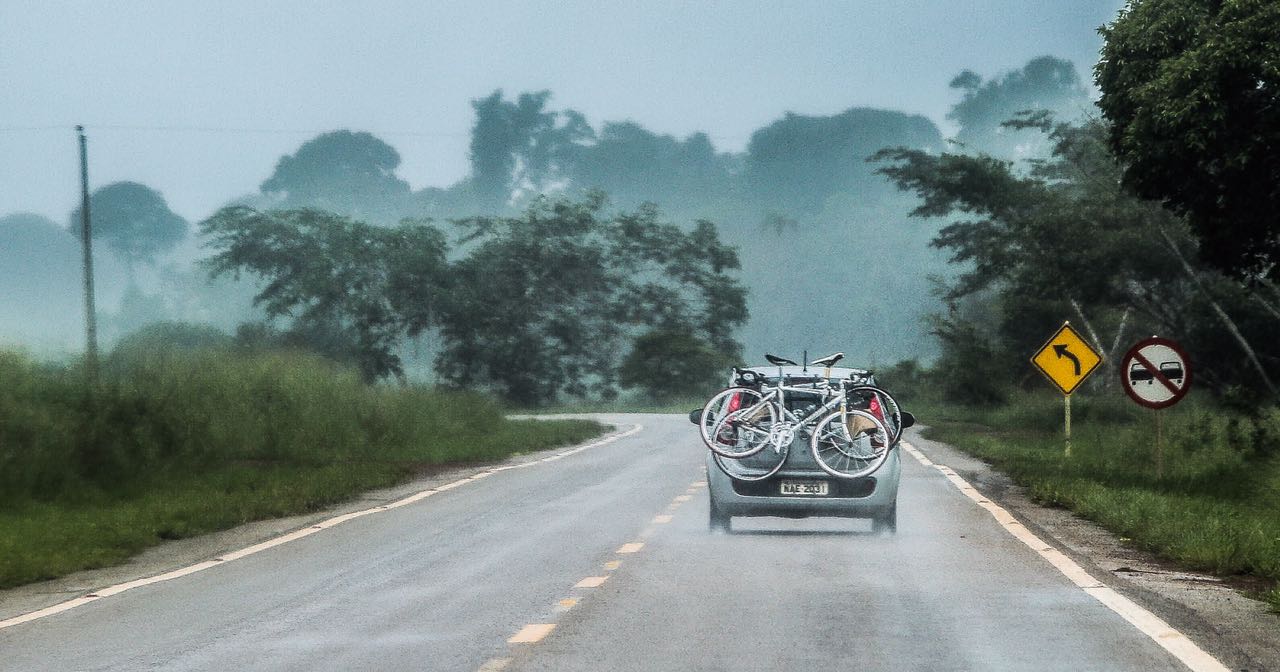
{"points": [[1066, 359]]}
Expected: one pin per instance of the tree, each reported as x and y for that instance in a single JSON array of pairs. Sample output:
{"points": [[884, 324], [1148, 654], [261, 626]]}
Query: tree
{"points": [[363, 286], [134, 220], [543, 304], [634, 165], [1044, 83], [520, 146], [796, 163], [1192, 90], [1065, 238], [343, 172], [673, 365]]}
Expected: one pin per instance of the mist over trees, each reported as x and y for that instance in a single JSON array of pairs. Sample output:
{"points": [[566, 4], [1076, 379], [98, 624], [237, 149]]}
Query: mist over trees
{"points": [[796, 163], [134, 221], [344, 172], [828, 256], [1065, 239], [1045, 83]]}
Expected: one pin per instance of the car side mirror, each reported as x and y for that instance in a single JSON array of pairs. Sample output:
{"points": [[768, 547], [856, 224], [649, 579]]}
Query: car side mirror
{"points": [[908, 419], [695, 416]]}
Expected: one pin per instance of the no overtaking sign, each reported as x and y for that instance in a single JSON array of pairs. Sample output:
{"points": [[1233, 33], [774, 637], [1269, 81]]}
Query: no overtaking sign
{"points": [[1156, 373]]}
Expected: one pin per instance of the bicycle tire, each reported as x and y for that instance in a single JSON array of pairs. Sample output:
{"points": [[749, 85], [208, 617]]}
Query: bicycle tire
{"points": [[890, 409], [847, 453], [747, 405], [754, 468]]}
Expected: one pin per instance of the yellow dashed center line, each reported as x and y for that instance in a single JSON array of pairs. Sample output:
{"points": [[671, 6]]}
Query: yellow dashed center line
{"points": [[612, 565], [663, 518], [683, 498], [631, 548], [532, 633], [495, 664], [591, 582]]}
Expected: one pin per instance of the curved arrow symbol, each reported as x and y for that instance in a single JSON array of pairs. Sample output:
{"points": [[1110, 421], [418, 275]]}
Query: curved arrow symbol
{"points": [[1061, 350]]}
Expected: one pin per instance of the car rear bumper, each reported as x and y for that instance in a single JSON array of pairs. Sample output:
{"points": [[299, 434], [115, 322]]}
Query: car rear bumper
{"points": [[867, 497]]}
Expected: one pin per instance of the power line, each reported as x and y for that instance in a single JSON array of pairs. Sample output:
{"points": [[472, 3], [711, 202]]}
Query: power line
{"points": [[274, 131], [223, 129]]}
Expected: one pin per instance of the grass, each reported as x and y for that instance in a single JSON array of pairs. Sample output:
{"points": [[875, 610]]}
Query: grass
{"points": [[178, 445], [1215, 507]]}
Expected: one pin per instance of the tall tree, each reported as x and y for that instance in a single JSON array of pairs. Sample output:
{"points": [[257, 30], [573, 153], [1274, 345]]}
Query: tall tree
{"points": [[796, 163], [1192, 89], [361, 286], [134, 220], [520, 145], [1044, 83], [344, 172], [1041, 241], [544, 304], [634, 165]]}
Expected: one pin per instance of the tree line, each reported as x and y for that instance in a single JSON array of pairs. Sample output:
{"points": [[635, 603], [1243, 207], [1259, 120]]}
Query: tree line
{"points": [[566, 298], [1157, 216]]}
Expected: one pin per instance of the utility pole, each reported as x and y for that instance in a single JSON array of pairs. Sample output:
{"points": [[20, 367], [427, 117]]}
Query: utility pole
{"points": [[86, 235]]}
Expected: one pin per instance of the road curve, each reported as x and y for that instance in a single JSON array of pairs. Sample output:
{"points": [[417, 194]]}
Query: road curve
{"points": [[602, 561]]}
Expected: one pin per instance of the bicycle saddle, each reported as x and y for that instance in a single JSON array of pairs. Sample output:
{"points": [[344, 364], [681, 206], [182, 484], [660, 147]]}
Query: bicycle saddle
{"points": [[829, 360], [779, 361]]}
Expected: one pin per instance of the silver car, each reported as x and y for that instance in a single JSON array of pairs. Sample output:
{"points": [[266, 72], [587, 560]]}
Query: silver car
{"points": [[801, 489]]}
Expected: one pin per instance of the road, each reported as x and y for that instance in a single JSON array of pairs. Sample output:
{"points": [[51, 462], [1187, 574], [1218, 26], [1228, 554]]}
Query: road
{"points": [[602, 561]]}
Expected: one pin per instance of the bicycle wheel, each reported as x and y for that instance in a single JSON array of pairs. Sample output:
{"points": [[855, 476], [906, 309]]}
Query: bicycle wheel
{"points": [[882, 405], [756, 467], [749, 417], [851, 444]]}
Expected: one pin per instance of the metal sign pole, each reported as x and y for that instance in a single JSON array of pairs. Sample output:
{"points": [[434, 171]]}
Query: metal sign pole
{"points": [[1067, 414], [1159, 445]]}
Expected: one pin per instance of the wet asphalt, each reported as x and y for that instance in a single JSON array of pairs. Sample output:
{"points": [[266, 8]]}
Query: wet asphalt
{"points": [[444, 583]]}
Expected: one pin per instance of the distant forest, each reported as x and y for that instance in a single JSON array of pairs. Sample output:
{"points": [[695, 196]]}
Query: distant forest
{"points": [[830, 257]]}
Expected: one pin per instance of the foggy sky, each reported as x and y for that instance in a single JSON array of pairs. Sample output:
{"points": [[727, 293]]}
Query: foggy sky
{"points": [[199, 100]]}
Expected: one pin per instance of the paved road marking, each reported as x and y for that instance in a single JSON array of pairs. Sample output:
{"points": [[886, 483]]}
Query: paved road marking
{"points": [[295, 535], [592, 582], [683, 498], [567, 603], [495, 665], [612, 565], [631, 548], [916, 454], [662, 518], [532, 633], [1173, 641]]}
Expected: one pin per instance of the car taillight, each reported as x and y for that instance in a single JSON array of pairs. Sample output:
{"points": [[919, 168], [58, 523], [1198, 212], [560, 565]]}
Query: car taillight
{"points": [[876, 410], [735, 402]]}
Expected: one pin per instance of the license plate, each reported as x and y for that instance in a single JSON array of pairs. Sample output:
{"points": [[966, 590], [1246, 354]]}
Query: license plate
{"points": [[812, 488]]}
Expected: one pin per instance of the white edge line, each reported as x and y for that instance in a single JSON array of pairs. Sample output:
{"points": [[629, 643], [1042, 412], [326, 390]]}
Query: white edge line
{"points": [[1169, 638], [293, 536]]}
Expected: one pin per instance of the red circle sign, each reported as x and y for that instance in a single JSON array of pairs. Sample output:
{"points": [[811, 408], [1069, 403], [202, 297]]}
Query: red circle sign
{"points": [[1156, 373]]}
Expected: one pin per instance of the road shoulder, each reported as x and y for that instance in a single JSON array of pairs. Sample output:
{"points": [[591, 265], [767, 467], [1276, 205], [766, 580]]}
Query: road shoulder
{"points": [[176, 554], [1239, 631]]}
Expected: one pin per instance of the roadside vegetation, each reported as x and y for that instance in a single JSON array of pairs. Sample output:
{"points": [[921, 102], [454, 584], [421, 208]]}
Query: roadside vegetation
{"points": [[1133, 224], [179, 443], [1213, 506]]}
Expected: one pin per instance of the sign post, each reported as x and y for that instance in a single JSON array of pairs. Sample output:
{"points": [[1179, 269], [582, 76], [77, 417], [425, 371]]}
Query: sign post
{"points": [[1156, 373], [1066, 360]]}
